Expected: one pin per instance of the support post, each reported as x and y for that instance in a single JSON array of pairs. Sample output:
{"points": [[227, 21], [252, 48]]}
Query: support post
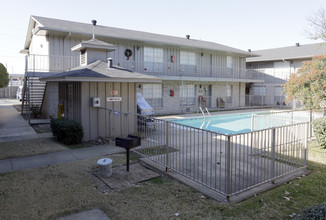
{"points": [[252, 122], [127, 159], [167, 145], [273, 154], [310, 124], [228, 168], [306, 145]]}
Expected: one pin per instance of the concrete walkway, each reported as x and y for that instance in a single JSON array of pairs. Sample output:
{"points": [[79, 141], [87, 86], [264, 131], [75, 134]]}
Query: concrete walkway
{"points": [[23, 163], [12, 125]]}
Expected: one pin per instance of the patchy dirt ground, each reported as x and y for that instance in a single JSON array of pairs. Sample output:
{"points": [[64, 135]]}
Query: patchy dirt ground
{"points": [[59, 190], [29, 148], [46, 193]]}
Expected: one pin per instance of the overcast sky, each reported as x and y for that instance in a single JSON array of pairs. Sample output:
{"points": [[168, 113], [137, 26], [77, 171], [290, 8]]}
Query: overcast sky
{"points": [[250, 24]]}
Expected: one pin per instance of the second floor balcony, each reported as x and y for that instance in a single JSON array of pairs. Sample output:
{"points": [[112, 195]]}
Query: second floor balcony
{"points": [[270, 75], [50, 63]]}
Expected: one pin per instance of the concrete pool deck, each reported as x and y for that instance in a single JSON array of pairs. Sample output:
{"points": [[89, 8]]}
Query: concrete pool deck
{"points": [[221, 112], [230, 167], [216, 195]]}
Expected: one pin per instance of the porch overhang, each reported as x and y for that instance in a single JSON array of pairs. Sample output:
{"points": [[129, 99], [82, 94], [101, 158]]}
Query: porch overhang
{"points": [[98, 79], [209, 79]]}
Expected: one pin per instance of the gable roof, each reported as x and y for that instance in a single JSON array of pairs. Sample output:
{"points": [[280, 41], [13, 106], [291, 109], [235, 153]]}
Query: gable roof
{"points": [[50, 25], [99, 71], [94, 44], [306, 51]]}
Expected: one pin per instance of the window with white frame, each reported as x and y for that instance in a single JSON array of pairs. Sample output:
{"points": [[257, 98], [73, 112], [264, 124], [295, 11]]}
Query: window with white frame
{"points": [[187, 58], [259, 90], [188, 94], [153, 94], [153, 59], [229, 62], [229, 93], [282, 70], [278, 98]]}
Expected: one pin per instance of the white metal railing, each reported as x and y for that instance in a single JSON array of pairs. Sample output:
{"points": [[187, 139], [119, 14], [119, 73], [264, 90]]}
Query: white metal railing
{"points": [[228, 164], [175, 69], [50, 63], [269, 75], [280, 118], [218, 102], [53, 63]]}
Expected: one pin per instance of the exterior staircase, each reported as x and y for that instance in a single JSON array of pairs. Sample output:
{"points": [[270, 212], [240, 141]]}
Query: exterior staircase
{"points": [[33, 94]]}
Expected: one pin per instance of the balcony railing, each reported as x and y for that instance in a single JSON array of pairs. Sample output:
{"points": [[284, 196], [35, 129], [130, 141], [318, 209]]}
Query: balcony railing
{"points": [[50, 63], [180, 70], [268, 75]]}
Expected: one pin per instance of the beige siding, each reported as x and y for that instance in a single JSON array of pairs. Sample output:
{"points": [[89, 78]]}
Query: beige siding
{"points": [[102, 122], [85, 108], [101, 113], [51, 100], [211, 64]]}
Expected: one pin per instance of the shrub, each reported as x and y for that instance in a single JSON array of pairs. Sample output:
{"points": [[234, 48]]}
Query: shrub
{"points": [[319, 126], [67, 131], [36, 110], [314, 212]]}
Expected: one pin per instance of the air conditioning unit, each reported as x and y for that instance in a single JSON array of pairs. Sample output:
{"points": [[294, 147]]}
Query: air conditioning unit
{"points": [[96, 102]]}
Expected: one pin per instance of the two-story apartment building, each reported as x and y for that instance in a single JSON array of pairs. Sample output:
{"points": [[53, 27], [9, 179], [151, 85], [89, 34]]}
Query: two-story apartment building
{"points": [[194, 72], [275, 65]]}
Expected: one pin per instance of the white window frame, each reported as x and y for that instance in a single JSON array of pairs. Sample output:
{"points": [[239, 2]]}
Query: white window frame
{"points": [[187, 95], [188, 58], [229, 62], [153, 94], [278, 94], [153, 59], [259, 90]]}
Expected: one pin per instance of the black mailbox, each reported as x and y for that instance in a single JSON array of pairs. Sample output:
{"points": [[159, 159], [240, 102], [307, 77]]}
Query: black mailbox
{"points": [[129, 142]]}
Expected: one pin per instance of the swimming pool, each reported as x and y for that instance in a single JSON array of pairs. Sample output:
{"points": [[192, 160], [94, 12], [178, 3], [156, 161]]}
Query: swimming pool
{"points": [[225, 124], [242, 122]]}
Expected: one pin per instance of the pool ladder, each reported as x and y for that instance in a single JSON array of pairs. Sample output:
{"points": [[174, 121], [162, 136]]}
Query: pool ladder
{"points": [[202, 111]]}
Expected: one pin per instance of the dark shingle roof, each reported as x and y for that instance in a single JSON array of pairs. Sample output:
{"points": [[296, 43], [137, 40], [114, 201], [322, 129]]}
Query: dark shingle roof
{"points": [[50, 24], [293, 52], [100, 70]]}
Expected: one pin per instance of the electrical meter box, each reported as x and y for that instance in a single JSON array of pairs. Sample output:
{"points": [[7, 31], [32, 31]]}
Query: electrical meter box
{"points": [[96, 102]]}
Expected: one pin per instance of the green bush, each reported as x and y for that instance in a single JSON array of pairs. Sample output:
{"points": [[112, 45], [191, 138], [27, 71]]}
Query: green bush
{"points": [[319, 126], [67, 131], [314, 212]]}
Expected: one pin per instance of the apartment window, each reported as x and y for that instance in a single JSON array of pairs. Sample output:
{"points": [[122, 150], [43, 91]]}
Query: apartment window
{"points": [[153, 94], [153, 59], [278, 98], [187, 58], [187, 94], [229, 93], [259, 90], [229, 62], [282, 70]]}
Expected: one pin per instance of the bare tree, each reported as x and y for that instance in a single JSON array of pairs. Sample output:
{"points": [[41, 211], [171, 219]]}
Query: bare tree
{"points": [[317, 23]]}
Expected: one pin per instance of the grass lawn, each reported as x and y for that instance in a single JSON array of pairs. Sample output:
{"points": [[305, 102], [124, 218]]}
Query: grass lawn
{"points": [[36, 147], [54, 191], [29, 148]]}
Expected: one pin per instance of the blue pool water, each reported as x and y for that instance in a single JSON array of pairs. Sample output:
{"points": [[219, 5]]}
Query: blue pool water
{"points": [[226, 124]]}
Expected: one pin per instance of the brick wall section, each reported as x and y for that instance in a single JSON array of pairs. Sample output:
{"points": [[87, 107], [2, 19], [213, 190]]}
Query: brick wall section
{"points": [[51, 100]]}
